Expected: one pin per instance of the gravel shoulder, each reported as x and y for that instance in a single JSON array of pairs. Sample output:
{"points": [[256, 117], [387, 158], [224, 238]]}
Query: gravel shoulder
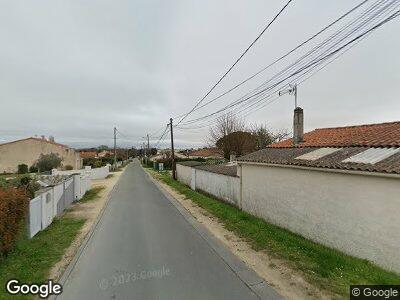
{"points": [[89, 211]]}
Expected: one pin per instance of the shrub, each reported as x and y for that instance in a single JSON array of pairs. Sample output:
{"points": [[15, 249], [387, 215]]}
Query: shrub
{"points": [[33, 169], [24, 182], [22, 169], [13, 211], [69, 167], [98, 164], [47, 162]]}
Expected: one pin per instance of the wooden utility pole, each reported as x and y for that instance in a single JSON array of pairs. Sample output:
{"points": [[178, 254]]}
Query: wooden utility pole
{"points": [[148, 144], [172, 150], [115, 146]]}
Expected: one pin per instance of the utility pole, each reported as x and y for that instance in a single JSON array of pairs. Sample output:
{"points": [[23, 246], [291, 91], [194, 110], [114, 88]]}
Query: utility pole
{"points": [[115, 146], [172, 150], [148, 144]]}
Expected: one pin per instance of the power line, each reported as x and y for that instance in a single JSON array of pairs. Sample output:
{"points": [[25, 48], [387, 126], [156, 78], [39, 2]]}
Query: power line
{"points": [[166, 130], [297, 72], [283, 56], [237, 60]]}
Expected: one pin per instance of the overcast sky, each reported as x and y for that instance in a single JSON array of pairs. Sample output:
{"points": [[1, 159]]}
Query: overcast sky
{"points": [[75, 69]]}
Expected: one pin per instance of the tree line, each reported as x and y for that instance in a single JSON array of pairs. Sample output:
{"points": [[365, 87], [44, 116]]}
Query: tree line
{"points": [[232, 135]]}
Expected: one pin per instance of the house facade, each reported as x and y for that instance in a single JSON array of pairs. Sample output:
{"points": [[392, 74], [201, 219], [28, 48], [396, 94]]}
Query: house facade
{"points": [[337, 186], [27, 151]]}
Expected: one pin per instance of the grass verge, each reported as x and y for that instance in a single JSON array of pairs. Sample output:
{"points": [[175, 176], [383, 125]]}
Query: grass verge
{"points": [[323, 267], [32, 259], [92, 194]]}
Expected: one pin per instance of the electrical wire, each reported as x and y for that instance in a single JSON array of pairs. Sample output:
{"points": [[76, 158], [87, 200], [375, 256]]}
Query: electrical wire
{"points": [[306, 66], [281, 57], [237, 60]]}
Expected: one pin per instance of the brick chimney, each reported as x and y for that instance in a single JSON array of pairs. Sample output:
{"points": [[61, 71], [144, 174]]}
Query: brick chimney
{"points": [[298, 126]]}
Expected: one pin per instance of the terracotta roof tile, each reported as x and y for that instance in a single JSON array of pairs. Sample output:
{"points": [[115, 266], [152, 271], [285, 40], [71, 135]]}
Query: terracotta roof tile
{"points": [[350, 140], [373, 135]]}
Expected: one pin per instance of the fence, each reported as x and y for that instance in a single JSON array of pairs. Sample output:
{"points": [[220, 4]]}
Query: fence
{"points": [[96, 173], [53, 200]]}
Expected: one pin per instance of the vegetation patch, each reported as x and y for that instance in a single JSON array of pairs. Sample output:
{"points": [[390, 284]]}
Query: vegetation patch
{"points": [[92, 194], [324, 267], [31, 259], [13, 210]]}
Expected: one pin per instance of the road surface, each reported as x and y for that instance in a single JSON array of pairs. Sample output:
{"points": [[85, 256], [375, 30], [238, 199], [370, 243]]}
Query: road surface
{"points": [[143, 248]]}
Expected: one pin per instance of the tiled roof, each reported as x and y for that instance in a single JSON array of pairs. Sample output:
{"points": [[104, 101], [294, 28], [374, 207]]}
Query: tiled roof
{"points": [[206, 152], [88, 154], [36, 139], [189, 163], [230, 170], [347, 141], [335, 160], [373, 135]]}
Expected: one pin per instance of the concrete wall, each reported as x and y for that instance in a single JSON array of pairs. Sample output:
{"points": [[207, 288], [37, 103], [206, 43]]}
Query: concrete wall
{"points": [[356, 214], [96, 173], [52, 201], [221, 186], [28, 151], [224, 187], [184, 174]]}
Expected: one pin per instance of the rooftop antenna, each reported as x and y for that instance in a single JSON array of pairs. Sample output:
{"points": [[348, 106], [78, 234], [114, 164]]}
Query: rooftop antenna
{"points": [[292, 90]]}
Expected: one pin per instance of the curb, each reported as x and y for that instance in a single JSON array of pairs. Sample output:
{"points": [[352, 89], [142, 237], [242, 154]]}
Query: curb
{"points": [[248, 276], [82, 247]]}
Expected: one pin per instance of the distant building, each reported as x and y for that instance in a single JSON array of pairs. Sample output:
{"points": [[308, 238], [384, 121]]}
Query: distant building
{"points": [[27, 151], [88, 154], [105, 153], [206, 153]]}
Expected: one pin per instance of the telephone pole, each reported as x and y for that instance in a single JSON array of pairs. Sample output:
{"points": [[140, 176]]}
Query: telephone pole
{"points": [[115, 146], [172, 150], [148, 144]]}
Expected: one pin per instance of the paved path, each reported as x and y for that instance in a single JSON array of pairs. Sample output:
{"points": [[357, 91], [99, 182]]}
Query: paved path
{"points": [[143, 248]]}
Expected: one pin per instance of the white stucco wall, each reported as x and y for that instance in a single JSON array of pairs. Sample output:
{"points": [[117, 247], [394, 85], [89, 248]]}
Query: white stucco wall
{"points": [[221, 186], [357, 214], [95, 173], [184, 174]]}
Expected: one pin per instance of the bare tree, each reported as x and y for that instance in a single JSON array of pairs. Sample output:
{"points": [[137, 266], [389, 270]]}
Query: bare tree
{"points": [[281, 135], [265, 136], [226, 124]]}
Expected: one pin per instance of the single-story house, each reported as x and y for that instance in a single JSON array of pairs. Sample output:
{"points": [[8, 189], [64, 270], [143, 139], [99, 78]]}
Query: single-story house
{"points": [[27, 151], [337, 186]]}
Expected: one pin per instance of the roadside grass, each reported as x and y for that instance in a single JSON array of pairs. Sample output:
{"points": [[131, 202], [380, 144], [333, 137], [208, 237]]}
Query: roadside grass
{"points": [[323, 267], [31, 259], [92, 194], [110, 176]]}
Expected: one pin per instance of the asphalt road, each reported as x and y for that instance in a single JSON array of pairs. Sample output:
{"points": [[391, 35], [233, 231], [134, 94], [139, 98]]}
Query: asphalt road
{"points": [[143, 248]]}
